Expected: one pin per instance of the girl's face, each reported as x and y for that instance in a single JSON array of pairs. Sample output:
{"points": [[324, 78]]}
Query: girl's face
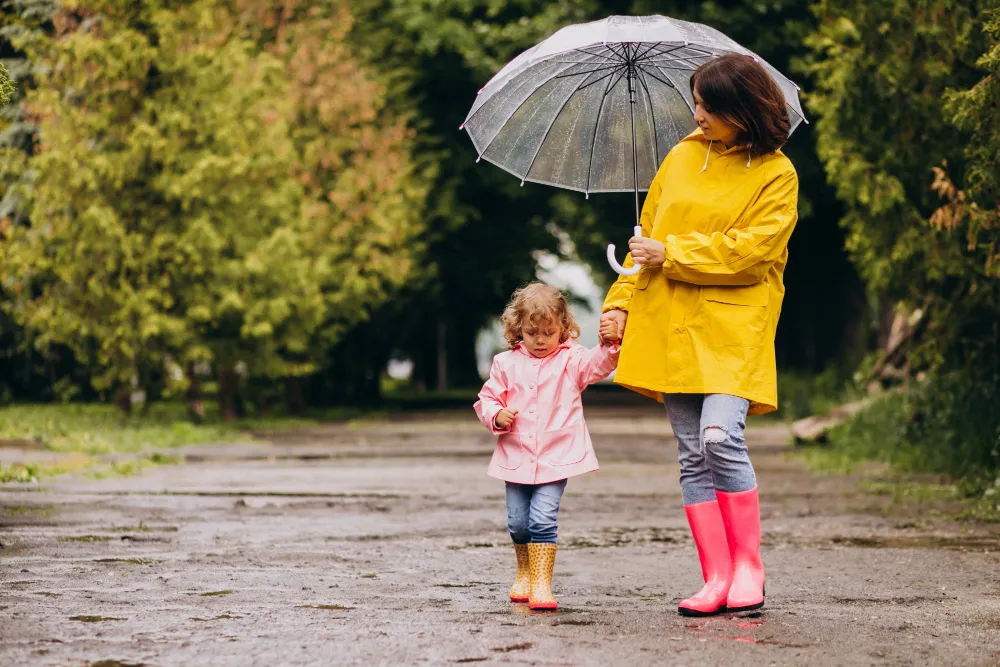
{"points": [[542, 338], [715, 128]]}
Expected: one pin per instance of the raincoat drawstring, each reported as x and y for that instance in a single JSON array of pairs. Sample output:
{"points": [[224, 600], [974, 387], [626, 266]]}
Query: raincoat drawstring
{"points": [[707, 155]]}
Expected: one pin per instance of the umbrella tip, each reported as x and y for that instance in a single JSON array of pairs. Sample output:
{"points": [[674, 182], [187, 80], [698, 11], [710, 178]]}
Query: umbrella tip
{"points": [[478, 159], [522, 183], [586, 195], [462, 126]]}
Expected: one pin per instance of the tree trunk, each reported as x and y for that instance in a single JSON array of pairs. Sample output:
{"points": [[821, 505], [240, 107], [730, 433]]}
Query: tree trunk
{"points": [[196, 409], [294, 397], [442, 355], [228, 386]]}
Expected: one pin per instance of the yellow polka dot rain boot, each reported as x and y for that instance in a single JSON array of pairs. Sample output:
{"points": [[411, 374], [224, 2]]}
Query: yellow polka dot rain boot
{"points": [[541, 560], [521, 589]]}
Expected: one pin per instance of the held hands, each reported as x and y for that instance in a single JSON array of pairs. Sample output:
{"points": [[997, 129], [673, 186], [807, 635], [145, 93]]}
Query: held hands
{"points": [[647, 252], [613, 318], [609, 331], [505, 418]]}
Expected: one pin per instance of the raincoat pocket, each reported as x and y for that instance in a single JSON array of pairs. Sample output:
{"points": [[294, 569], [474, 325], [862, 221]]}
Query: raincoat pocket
{"points": [[642, 280], [563, 447], [735, 316], [508, 454]]}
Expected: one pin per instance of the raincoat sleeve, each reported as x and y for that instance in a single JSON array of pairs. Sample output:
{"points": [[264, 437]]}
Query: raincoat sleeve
{"points": [[493, 399], [620, 294], [743, 255], [595, 364]]}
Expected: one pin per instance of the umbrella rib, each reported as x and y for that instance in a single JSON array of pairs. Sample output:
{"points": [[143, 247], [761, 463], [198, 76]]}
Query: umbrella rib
{"points": [[699, 50], [664, 82], [599, 79], [642, 55], [673, 85], [506, 120], [652, 116], [545, 136], [685, 61], [593, 145], [606, 92], [583, 49], [599, 69]]}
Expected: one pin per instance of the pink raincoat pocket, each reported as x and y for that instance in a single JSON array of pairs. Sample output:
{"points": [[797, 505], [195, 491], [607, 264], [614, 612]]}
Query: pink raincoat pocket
{"points": [[508, 453], [565, 446]]}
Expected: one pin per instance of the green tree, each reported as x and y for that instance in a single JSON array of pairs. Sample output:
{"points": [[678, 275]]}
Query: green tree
{"points": [[200, 201], [887, 123], [483, 230], [6, 85]]}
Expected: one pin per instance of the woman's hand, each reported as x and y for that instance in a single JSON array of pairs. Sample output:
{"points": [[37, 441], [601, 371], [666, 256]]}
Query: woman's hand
{"points": [[618, 317], [647, 252]]}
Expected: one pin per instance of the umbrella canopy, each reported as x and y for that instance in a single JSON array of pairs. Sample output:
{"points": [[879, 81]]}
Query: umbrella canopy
{"points": [[597, 106], [561, 112]]}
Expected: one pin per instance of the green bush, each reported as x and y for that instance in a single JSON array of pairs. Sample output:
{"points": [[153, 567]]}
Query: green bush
{"points": [[802, 395], [948, 424]]}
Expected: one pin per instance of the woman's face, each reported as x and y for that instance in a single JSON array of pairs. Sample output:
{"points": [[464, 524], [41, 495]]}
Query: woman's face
{"points": [[715, 128]]}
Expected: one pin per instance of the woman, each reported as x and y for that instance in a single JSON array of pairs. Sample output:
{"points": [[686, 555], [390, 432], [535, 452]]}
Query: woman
{"points": [[702, 312]]}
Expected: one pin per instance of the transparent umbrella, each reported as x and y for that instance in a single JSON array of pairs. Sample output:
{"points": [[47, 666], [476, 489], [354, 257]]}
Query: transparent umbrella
{"points": [[597, 106]]}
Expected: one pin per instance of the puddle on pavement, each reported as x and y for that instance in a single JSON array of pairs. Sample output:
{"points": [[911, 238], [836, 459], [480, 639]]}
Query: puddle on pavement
{"points": [[721, 625], [95, 619], [888, 602], [469, 584], [958, 543], [143, 528], [130, 561], [331, 607], [617, 537], [473, 545], [220, 617], [86, 538], [20, 510], [514, 647], [213, 593]]}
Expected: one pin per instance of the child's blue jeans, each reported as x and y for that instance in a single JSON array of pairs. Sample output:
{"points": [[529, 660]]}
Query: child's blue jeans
{"points": [[532, 511]]}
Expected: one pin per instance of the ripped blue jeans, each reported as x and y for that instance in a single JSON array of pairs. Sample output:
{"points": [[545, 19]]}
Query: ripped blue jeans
{"points": [[711, 449]]}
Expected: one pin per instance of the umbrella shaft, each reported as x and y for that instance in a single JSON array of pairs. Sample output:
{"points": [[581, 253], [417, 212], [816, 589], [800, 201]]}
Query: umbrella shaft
{"points": [[631, 74]]}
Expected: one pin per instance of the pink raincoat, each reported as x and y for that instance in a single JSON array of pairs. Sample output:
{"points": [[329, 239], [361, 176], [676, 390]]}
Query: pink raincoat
{"points": [[548, 440]]}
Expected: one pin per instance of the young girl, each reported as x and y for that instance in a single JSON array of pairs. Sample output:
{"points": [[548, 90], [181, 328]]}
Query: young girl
{"points": [[532, 402]]}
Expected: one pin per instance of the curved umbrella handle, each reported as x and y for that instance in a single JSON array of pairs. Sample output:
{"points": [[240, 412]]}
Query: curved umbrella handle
{"points": [[621, 270]]}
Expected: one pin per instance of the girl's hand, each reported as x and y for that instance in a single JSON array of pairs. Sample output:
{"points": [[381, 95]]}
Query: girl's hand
{"points": [[505, 418], [619, 317], [647, 252], [609, 331]]}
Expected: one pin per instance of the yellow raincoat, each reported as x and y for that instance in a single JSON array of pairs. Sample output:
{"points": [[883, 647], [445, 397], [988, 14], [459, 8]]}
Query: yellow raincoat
{"points": [[704, 322]]}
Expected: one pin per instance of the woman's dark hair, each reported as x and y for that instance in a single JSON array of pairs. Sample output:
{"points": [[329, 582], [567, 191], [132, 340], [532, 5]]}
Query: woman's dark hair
{"points": [[737, 89]]}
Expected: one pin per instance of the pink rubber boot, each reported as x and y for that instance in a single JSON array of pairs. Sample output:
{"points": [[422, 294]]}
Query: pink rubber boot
{"points": [[741, 516], [709, 535]]}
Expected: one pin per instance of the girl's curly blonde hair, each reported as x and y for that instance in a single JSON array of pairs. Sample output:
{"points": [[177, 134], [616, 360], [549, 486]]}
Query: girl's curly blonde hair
{"points": [[537, 302]]}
